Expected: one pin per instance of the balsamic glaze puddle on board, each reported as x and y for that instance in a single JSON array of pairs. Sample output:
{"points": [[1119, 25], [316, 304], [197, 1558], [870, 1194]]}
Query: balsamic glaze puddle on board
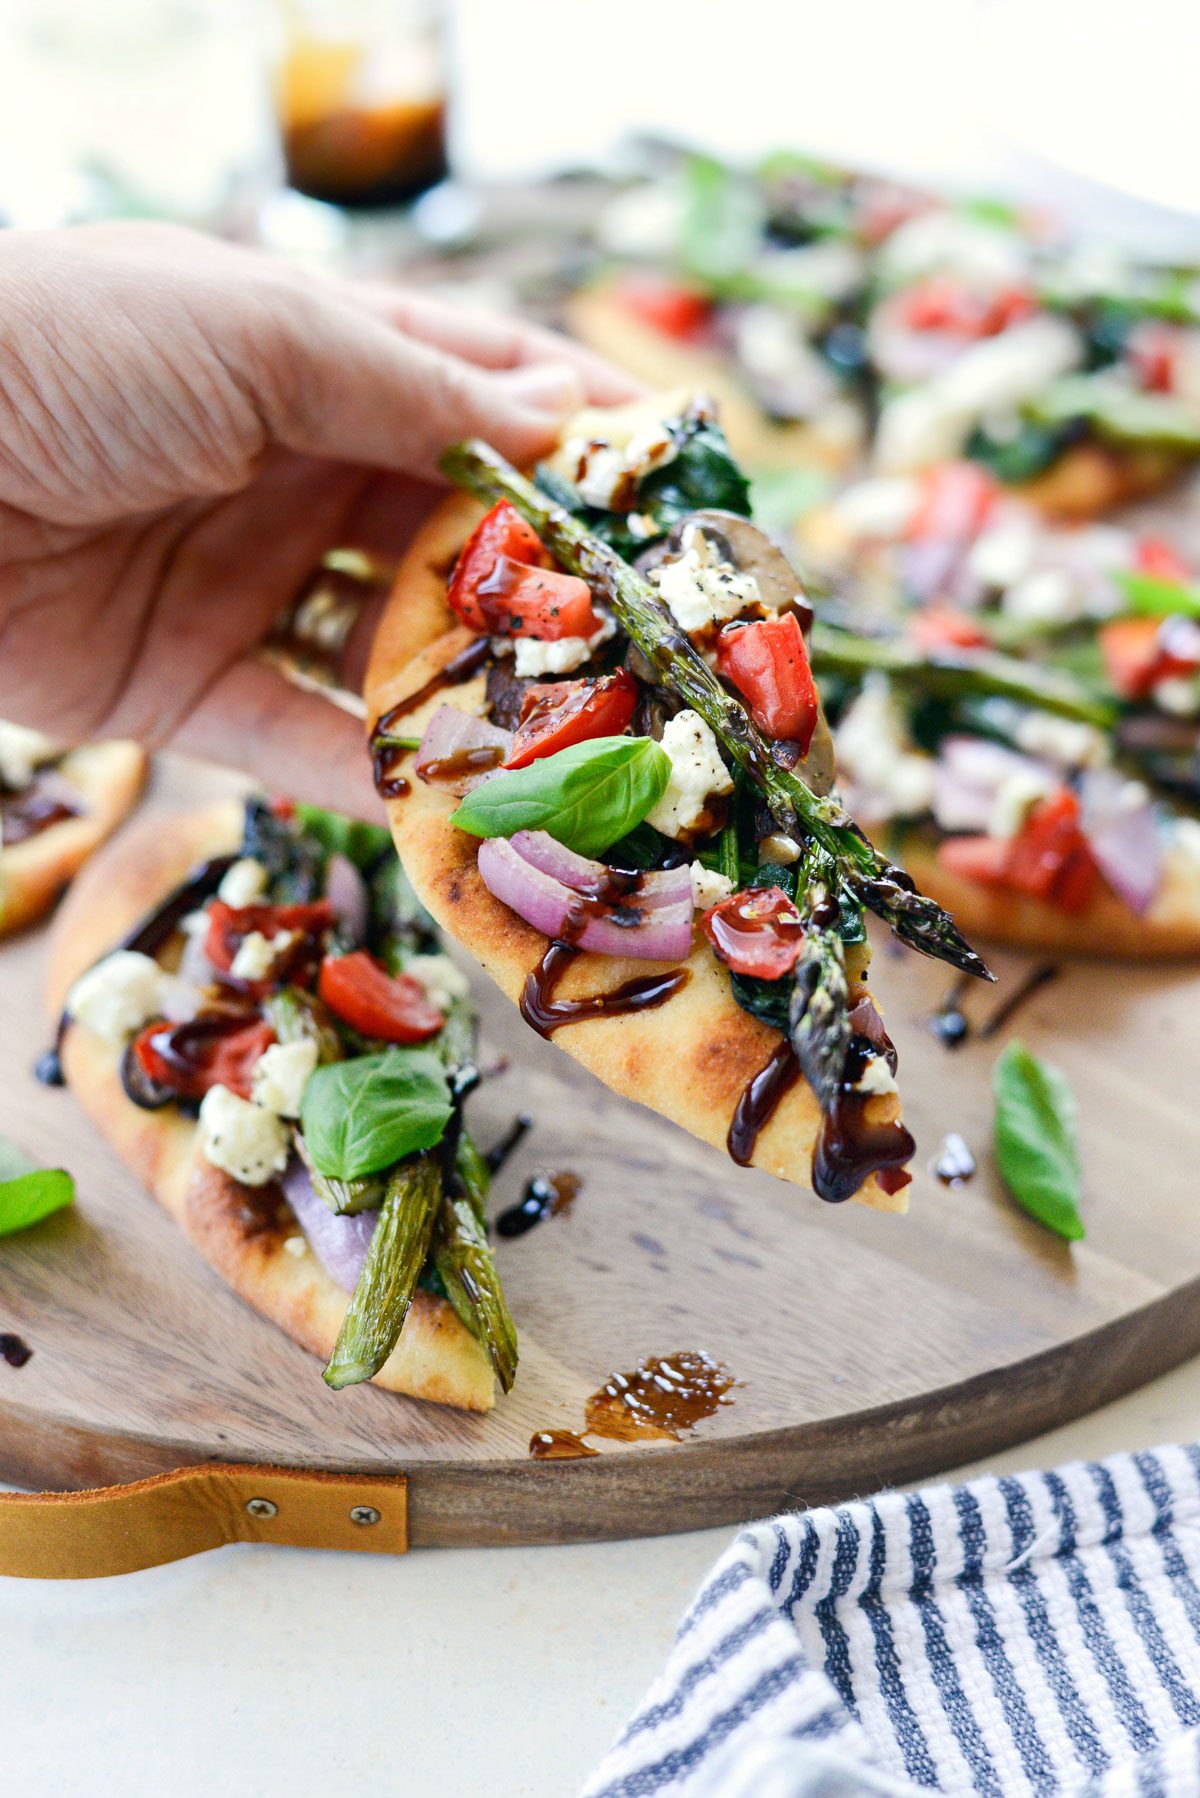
{"points": [[661, 1399], [516, 1133], [949, 1023], [545, 1195], [14, 1350]]}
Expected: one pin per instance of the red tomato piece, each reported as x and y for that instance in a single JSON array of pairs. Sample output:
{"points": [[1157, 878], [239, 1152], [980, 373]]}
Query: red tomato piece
{"points": [[956, 501], [1157, 557], [942, 303], [392, 1008], [230, 925], [667, 306], [1153, 350], [945, 627], [1133, 655], [503, 532], [559, 713], [757, 932], [1049, 858], [767, 661], [214, 1049], [515, 601]]}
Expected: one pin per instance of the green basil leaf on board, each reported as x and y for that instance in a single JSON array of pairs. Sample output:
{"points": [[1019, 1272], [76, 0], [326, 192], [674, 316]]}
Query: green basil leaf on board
{"points": [[29, 1193], [587, 796], [1034, 1135], [364, 1115]]}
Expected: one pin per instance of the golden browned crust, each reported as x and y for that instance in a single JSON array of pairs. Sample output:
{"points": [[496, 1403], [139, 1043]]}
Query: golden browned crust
{"points": [[109, 777], [691, 1058], [1106, 927], [598, 319], [241, 1232]]}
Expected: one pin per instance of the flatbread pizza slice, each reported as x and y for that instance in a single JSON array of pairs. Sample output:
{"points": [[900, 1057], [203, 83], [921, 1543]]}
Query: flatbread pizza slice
{"points": [[1021, 701], [257, 1015], [56, 807], [616, 791]]}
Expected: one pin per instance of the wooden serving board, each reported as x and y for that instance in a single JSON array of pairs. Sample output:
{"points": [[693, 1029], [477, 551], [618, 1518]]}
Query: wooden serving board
{"points": [[869, 1348]]}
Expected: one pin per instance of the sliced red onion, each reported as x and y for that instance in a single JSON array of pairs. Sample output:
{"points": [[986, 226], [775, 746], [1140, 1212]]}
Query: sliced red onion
{"points": [[194, 965], [451, 734], [928, 567], [339, 1243], [346, 891], [669, 886], [652, 933], [1123, 835]]}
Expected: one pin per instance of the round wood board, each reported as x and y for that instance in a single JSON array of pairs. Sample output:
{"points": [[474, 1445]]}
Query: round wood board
{"points": [[869, 1349]]}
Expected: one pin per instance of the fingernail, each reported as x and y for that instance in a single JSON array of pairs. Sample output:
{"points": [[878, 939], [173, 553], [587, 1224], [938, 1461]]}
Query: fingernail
{"points": [[552, 387]]}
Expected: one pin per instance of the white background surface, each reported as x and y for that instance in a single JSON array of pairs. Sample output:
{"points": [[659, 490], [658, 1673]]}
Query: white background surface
{"points": [[509, 1671], [443, 1674]]}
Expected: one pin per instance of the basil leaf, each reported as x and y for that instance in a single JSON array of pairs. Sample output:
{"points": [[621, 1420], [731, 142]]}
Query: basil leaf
{"points": [[359, 1117], [1152, 597], [586, 796], [643, 848], [362, 844], [29, 1193], [1035, 1140]]}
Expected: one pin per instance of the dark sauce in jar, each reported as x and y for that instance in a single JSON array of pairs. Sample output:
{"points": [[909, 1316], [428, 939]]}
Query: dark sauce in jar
{"points": [[545, 1195], [14, 1350], [558, 1445]]}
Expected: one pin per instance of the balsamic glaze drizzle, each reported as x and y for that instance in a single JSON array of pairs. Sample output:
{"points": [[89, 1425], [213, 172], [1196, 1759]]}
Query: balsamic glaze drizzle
{"points": [[460, 667], [1034, 981]]}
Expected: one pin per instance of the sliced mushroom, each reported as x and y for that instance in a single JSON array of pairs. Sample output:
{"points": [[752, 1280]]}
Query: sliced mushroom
{"points": [[752, 552]]}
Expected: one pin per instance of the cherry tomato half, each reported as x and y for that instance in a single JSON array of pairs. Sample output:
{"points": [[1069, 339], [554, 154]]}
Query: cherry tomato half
{"points": [[767, 661], [392, 1008], [757, 932], [559, 713]]}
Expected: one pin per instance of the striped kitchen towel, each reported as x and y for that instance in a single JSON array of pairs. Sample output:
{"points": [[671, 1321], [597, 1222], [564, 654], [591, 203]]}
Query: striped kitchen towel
{"points": [[1038, 1634]]}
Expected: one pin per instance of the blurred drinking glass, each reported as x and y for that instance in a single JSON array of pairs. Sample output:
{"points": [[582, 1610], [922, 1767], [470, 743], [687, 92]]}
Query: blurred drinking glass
{"points": [[360, 95]]}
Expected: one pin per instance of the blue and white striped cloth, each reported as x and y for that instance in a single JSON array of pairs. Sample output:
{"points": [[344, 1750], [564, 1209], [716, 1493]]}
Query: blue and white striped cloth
{"points": [[1038, 1634]]}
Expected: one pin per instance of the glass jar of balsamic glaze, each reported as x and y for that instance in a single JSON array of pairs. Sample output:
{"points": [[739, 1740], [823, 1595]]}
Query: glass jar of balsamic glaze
{"points": [[360, 97]]}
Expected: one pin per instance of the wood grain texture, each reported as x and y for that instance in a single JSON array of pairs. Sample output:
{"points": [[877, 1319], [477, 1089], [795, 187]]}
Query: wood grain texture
{"points": [[869, 1348]]}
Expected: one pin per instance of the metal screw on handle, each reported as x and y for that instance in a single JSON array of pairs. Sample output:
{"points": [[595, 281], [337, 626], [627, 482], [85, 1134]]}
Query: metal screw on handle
{"points": [[261, 1507], [364, 1514]]}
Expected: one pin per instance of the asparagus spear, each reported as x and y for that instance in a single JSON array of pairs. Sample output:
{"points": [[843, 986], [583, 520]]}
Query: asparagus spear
{"points": [[886, 890], [818, 1015], [950, 674], [379, 1303], [343, 1197], [463, 1258], [296, 1016]]}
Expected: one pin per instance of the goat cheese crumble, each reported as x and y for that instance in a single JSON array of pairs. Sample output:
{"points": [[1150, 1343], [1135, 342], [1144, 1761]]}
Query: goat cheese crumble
{"points": [[533, 658], [699, 588], [257, 954], [891, 778], [442, 981], [245, 882], [118, 995], [876, 1077], [241, 1138], [281, 1075], [708, 887], [697, 775]]}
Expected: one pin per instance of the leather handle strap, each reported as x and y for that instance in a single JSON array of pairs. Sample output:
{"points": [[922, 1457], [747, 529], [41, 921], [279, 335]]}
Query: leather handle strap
{"points": [[121, 1529]]}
